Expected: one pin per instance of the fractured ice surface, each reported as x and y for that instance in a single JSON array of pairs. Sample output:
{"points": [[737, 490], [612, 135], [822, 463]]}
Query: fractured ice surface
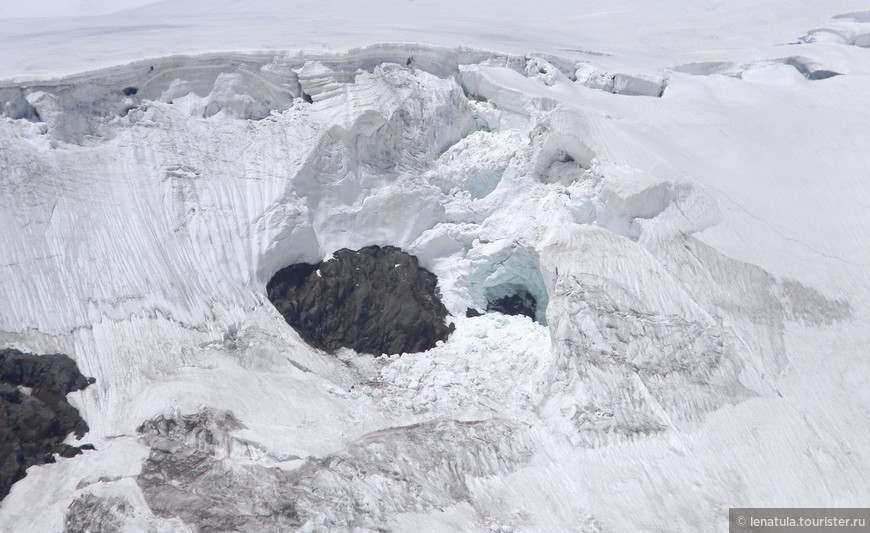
{"points": [[673, 323], [190, 474]]}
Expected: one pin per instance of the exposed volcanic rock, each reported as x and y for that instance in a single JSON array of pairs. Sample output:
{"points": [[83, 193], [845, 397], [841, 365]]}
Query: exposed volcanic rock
{"points": [[35, 416], [374, 300]]}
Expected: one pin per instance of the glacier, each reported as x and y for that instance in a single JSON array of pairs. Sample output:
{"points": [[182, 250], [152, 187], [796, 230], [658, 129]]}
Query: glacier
{"points": [[687, 204]]}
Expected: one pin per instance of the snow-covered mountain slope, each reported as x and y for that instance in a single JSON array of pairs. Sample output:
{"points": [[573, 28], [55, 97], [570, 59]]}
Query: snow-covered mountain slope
{"points": [[65, 8], [643, 37], [688, 215]]}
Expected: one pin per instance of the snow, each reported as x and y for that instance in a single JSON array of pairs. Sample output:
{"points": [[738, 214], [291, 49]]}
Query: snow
{"points": [[628, 32], [681, 193], [62, 8]]}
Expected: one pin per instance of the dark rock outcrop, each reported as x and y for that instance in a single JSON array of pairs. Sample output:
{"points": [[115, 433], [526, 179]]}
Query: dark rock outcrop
{"points": [[35, 416], [521, 302], [472, 312], [375, 300]]}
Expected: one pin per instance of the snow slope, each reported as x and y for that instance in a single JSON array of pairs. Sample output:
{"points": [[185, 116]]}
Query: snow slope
{"points": [[646, 36], [682, 187], [61, 8]]}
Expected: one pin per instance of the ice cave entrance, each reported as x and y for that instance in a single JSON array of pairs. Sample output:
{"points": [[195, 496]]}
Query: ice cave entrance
{"points": [[510, 299], [376, 300]]}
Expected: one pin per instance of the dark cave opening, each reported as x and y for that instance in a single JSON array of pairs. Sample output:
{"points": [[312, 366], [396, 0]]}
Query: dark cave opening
{"points": [[512, 300]]}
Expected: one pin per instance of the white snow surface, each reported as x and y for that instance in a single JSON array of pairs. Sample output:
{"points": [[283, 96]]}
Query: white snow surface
{"points": [[677, 185], [65, 8]]}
